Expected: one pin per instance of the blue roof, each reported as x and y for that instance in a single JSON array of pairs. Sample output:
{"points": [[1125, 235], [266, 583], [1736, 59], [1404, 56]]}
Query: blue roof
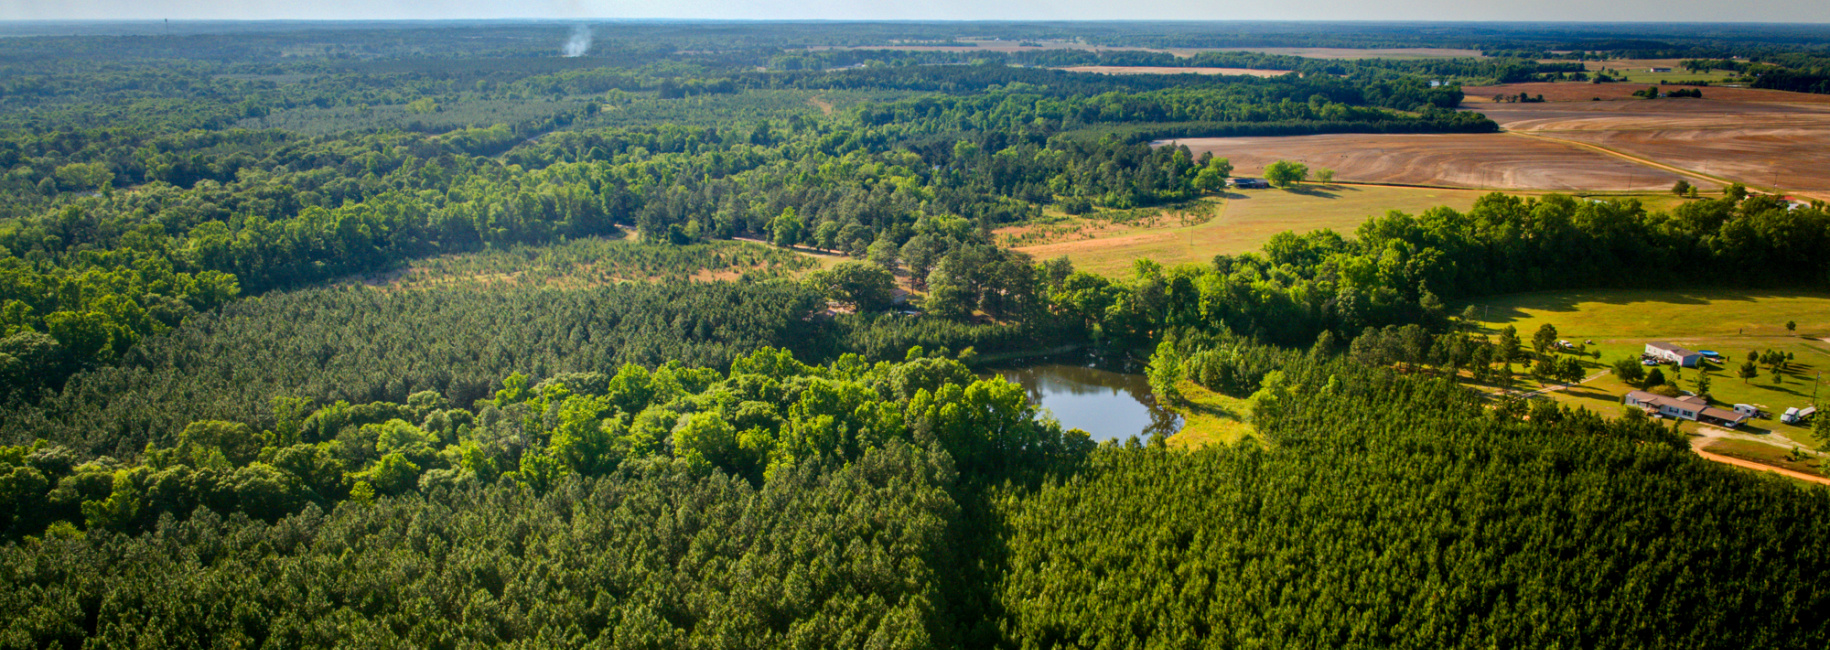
{"points": [[1707, 353]]}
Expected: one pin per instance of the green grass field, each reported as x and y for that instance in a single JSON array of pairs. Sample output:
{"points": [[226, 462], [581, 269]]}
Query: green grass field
{"points": [[1210, 418], [1245, 220], [1733, 323]]}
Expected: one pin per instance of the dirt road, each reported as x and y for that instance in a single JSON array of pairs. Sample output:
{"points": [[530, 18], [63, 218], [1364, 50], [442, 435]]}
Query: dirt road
{"points": [[1764, 468]]}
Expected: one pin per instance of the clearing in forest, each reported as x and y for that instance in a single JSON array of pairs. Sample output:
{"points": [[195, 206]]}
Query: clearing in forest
{"points": [[1240, 222], [1730, 322], [594, 261], [1210, 418]]}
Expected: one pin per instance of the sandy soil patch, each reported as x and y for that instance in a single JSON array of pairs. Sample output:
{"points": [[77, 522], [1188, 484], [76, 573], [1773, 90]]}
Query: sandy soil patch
{"points": [[1497, 161], [1138, 69]]}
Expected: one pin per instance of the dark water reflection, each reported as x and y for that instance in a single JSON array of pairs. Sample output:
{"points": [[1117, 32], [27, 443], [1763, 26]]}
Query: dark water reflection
{"points": [[1109, 405]]}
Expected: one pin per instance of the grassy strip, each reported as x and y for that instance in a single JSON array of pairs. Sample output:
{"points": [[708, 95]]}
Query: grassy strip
{"points": [[1210, 418], [1766, 454]]}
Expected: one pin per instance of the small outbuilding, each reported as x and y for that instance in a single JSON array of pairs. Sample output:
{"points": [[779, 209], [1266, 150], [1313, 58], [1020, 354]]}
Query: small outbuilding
{"points": [[1249, 183], [1667, 352]]}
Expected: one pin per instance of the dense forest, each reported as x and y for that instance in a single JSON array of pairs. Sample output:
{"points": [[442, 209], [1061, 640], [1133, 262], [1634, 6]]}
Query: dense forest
{"points": [[436, 335], [909, 505]]}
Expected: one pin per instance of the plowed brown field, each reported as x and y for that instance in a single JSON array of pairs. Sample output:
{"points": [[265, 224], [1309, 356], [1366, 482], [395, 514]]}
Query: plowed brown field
{"points": [[1587, 92], [1758, 143], [1496, 161], [1763, 138]]}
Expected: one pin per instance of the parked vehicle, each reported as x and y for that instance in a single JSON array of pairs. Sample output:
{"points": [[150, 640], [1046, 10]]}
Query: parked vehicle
{"points": [[1797, 415]]}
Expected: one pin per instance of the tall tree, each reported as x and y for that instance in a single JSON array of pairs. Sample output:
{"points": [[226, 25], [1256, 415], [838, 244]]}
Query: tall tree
{"points": [[1286, 174], [1544, 339]]}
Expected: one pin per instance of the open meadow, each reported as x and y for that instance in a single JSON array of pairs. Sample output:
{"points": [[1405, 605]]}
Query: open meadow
{"points": [[1238, 223], [1641, 71], [1731, 322]]}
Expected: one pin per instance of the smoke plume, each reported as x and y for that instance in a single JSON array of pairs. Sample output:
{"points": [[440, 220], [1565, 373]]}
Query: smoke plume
{"points": [[580, 43]]}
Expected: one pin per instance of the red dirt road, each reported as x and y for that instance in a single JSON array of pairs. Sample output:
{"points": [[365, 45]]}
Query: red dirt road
{"points": [[1764, 468]]}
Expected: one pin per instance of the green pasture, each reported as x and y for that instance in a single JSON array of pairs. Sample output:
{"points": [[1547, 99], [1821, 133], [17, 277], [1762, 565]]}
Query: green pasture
{"points": [[1731, 322], [1243, 220]]}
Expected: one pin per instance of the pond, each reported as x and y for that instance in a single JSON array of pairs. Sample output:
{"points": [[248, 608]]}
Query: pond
{"points": [[1108, 405]]}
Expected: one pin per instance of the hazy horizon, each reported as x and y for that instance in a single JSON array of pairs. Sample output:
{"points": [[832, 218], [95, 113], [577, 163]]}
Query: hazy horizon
{"points": [[1561, 11]]}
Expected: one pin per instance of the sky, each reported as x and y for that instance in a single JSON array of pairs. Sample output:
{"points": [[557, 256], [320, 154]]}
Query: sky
{"points": [[1780, 11]]}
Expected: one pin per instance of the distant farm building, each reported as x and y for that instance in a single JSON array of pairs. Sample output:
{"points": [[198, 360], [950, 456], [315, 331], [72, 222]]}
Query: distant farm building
{"points": [[1659, 70], [1688, 407], [1249, 183], [1674, 354]]}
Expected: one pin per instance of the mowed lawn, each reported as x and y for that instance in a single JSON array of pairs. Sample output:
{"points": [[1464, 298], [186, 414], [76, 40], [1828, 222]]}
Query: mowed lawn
{"points": [[1732, 323]]}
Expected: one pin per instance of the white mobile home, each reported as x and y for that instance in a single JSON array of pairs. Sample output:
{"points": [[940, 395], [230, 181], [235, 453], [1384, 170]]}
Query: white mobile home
{"points": [[1674, 354], [1688, 407]]}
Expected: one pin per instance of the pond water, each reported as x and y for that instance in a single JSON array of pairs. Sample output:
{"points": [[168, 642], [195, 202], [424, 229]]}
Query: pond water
{"points": [[1109, 405]]}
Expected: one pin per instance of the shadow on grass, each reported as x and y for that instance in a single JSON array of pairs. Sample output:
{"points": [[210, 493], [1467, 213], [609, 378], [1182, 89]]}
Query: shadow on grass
{"points": [[1505, 309], [1585, 392], [1210, 410], [1315, 191]]}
